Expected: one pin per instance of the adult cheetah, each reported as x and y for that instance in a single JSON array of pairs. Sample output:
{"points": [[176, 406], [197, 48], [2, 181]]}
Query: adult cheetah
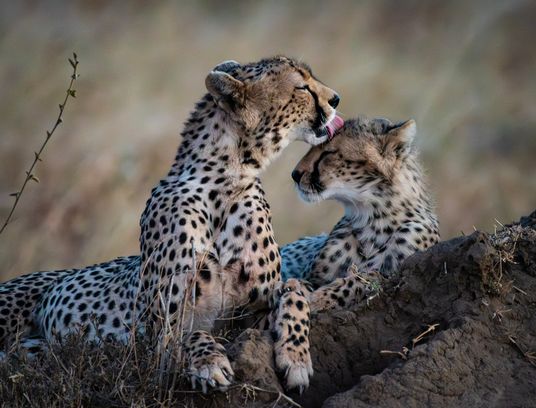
{"points": [[206, 242], [372, 168]]}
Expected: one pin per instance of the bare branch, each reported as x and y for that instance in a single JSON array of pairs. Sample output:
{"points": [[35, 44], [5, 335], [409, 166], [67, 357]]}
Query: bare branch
{"points": [[30, 176]]}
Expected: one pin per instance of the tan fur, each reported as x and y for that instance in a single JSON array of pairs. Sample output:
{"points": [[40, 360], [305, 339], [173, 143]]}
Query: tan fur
{"points": [[371, 167]]}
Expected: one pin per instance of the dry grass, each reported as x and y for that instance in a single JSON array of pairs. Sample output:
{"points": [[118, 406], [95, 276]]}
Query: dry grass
{"points": [[79, 374], [462, 69]]}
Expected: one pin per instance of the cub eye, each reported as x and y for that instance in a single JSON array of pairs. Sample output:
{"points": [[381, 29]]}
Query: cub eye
{"points": [[304, 88]]}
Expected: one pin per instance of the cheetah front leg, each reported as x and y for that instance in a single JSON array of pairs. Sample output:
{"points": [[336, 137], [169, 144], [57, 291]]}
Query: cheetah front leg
{"points": [[289, 321], [207, 362]]}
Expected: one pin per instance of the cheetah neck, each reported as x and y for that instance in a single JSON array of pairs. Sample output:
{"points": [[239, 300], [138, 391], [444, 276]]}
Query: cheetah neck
{"points": [[214, 147], [374, 223]]}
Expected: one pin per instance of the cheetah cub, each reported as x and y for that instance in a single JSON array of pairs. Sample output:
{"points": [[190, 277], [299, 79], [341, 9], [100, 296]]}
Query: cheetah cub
{"points": [[371, 167]]}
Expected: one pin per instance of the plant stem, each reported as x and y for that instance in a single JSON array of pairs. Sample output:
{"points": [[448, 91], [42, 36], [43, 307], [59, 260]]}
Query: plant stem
{"points": [[70, 93]]}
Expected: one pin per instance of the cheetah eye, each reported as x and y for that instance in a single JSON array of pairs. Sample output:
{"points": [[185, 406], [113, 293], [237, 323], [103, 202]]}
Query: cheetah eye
{"points": [[304, 88]]}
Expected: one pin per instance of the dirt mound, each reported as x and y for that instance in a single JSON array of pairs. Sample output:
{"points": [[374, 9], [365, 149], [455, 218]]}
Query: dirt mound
{"points": [[474, 297], [457, 327]]}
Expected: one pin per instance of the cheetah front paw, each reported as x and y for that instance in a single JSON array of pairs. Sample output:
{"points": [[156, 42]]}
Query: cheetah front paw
{"points": [[212, 371], [290, 331], [208, 364], [295, 367]]}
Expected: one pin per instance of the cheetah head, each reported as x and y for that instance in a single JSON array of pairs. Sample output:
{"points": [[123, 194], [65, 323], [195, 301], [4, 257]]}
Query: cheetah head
{"points": [[357, 164], [275, 101]]}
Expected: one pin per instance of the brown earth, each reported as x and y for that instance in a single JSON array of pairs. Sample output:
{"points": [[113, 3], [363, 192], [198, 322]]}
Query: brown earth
{"points": [[477, 292], [480, 291]]}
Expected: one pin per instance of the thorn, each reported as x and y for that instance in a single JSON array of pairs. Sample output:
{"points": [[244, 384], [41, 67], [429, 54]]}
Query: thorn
{"points": [[14, 194], [72, 63]]}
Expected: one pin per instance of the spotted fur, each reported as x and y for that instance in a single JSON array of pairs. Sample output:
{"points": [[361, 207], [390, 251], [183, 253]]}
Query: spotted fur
{"points": [[207, 244], [372, 168]]}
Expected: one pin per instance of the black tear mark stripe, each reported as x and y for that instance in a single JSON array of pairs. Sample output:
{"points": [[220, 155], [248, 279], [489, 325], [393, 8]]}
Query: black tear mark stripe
{"points": [[315, 175], [320, 114]]}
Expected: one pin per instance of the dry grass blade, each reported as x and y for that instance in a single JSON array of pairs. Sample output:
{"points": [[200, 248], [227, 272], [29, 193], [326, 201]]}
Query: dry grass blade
{"points": [[251, 389], [498, 314], [529, 355], [520, 290], [402, 354], [30, 176], [430, 329]]}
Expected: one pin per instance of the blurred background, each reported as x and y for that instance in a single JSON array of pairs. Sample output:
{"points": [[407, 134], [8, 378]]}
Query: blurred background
{"points": [[464, 70]]}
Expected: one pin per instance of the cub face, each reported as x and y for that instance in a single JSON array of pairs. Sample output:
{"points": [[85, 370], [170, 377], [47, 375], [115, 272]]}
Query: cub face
{"points": [[277, 99], [357, 163]]}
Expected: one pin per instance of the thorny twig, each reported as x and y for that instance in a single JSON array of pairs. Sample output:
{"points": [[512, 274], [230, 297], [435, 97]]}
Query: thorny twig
{"points": [[71, 92]]}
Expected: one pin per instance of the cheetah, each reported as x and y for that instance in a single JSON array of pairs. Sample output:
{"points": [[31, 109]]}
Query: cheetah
{"points": [[371, 167], [207, 245]]}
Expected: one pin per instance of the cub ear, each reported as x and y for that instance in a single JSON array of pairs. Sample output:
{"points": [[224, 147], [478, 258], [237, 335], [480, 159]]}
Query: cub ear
{"points": [[226, 66], [227, 91], [403, 133], [398, 138], [393, 143]]}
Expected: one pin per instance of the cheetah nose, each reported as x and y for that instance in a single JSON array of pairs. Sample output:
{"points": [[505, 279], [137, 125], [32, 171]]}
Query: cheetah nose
{"points": [[334, 102], [297, 175]]}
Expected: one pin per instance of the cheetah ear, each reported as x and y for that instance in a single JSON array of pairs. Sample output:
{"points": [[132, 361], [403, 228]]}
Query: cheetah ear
{"points": [[398, 139], [393, 144], [228, 92], [403, 133], [226, 66]]}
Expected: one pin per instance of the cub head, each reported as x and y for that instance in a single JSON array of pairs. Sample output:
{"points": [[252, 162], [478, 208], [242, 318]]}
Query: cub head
{"points": [[358, 163], [275, 100]]}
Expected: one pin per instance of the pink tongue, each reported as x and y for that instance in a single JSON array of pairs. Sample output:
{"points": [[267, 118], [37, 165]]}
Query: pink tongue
{"points": [[335, 124]]}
